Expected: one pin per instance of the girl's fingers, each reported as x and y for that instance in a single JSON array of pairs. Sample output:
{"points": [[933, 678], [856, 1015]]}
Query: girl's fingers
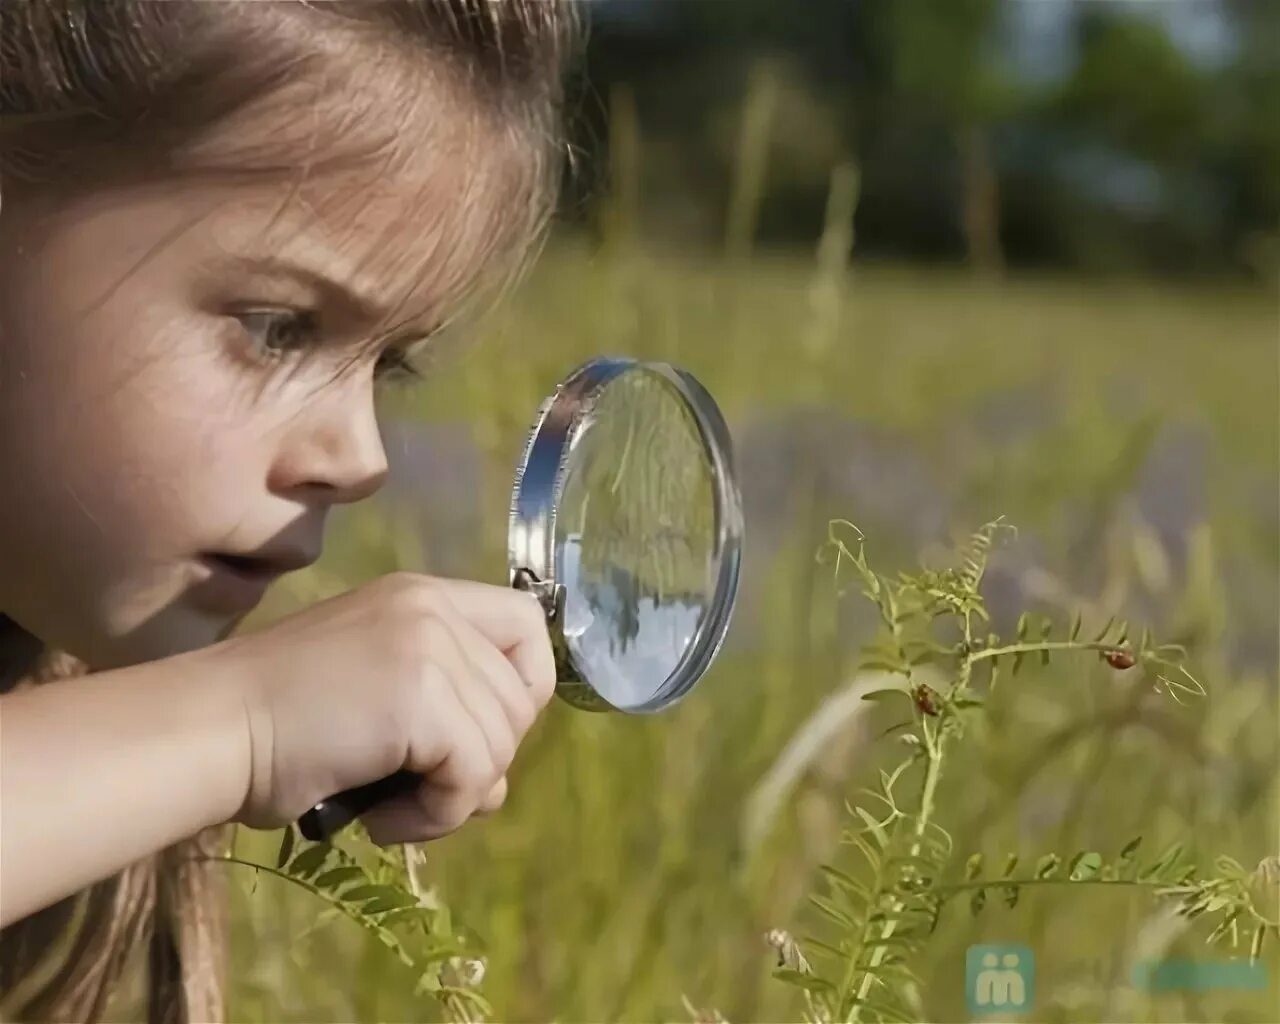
{"points": [[480, 747], [401, 819], [513, 622], [398, 820], [491, 705], [471, 670], [496, 798], [518, 700]]}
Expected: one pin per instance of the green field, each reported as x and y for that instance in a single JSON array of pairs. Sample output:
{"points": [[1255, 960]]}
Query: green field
{"points": [[1129, 431]]}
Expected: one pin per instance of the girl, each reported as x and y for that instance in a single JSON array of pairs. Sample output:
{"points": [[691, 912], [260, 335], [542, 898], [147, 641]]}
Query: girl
{"points": [[220, 225]]}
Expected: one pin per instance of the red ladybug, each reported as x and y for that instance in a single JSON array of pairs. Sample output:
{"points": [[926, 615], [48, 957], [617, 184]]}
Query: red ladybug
{"points": [[1119, 658], [926, 699]]}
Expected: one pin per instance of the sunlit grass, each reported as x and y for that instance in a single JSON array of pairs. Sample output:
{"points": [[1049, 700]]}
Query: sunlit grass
{"points": [[621, 876]]}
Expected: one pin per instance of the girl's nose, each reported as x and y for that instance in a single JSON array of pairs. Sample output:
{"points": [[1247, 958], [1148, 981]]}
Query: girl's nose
{"points": [[335, 448]]}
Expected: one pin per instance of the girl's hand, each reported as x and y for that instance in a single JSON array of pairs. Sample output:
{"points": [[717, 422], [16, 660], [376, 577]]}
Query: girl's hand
{"points": [[440, 677]]}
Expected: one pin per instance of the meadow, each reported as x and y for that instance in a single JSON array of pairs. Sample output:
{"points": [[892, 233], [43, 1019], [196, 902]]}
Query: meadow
{"points": [[1127, 429]]}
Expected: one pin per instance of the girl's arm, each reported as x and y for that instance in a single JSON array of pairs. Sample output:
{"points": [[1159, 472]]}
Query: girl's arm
{"points": [[100, 771]]}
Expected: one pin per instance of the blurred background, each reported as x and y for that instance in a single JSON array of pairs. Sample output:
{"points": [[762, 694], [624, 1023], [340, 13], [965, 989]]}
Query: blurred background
{"points": [[939, 261]]}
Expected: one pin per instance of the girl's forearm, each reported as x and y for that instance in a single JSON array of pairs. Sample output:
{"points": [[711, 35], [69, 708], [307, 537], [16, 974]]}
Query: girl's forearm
{"points": [[100, 771]]}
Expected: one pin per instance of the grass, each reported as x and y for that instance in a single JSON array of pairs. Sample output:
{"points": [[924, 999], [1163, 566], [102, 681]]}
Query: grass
{"points": [[1128, 430]]}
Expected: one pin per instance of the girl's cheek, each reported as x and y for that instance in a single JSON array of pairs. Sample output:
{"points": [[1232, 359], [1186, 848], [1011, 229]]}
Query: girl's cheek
{"points": [[193, 377]]}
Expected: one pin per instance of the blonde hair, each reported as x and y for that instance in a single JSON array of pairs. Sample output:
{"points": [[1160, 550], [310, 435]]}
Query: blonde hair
{"points": [[122, 88]]}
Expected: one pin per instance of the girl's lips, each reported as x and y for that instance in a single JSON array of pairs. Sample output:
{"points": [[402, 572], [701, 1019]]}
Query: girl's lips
{"points": [[250, 568], [231, 584]]}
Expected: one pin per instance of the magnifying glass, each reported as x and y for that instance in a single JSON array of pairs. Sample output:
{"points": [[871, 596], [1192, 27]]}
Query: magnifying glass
{"points": [[626, 523]]}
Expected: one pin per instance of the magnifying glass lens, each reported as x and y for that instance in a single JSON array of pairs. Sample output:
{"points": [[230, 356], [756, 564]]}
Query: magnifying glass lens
{"points": [[636, 538]]}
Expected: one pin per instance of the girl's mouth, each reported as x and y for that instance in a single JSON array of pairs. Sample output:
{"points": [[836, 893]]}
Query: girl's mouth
{"points": [[256, 570], [234, 583]]}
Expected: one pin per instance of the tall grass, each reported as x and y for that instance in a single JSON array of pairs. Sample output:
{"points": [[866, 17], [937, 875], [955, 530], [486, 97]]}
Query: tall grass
{"points": [[1128, 430]]}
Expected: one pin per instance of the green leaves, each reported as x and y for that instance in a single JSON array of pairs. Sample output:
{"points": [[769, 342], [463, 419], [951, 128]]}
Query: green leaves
{"points": [[310, 860], [1126, 863], [1228, 923], [1164, 867], [1011, 892], [837, 529], [1047, 866], [873, 826], [374, 900], [887, 694], [368, 892], [1021, 634], [810, 982], [909, 605], [1255, 946], [832, 911], [378, 899], [974, 555], [1229, 896], [1084, 866], [1106, 629], [844, 881], [338, 876], [879, 919], [881, 916], [286, 848]]}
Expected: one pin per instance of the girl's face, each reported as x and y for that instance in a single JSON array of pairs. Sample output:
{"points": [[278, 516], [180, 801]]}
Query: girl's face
{"points": [[154, 405]]}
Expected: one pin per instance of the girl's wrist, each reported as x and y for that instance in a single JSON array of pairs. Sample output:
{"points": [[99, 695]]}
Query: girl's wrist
{"points": [[219, 710]]}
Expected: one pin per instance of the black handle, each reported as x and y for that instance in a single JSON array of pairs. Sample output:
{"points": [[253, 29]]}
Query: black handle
{"points": [[340, 810]]}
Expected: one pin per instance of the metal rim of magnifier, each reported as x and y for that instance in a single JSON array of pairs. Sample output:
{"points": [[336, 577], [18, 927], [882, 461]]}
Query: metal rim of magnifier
{"points": [[539, 484]]}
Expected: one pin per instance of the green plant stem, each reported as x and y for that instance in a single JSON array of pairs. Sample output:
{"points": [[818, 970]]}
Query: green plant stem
{"points": [[269, 870], [332, 901], [1048, 645], [933, 766], [999, 883], [934, 745], [346, 909]]}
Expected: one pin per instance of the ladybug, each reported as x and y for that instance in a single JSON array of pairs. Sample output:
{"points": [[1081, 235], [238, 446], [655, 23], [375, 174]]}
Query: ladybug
{"points": [[926, 699], [1119, 658]]}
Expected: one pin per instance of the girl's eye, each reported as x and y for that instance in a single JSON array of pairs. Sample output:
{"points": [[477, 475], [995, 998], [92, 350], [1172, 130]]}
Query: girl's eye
{"points": [[397, 369], [278, 332]]}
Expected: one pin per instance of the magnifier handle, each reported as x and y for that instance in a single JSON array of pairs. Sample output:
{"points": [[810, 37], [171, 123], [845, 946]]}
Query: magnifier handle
{"points": [[341, 809]]}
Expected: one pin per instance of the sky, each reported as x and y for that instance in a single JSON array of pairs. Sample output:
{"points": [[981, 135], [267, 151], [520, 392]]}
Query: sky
{"points": [[1036, 31], [1040, 43]]}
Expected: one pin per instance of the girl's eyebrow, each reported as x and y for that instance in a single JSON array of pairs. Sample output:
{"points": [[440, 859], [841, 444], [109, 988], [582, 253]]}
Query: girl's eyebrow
{"points": [[361, 305]]}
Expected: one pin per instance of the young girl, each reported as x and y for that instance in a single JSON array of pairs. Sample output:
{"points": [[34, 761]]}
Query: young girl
{"points": [[221, 224]]}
